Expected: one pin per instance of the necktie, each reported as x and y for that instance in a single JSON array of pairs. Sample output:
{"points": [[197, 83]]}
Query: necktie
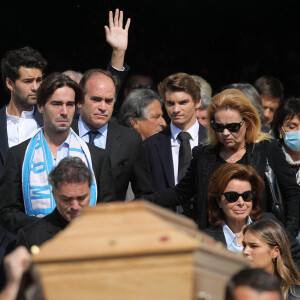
{"points": [[185, 153], [92, 135]]}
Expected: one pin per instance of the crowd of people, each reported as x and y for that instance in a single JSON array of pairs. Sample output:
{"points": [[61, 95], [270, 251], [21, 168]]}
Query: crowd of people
{"points": [[228, 160]]}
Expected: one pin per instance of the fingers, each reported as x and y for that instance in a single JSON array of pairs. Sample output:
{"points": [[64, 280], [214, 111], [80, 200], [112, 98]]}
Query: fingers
{"points": [[116, 22], [127, 24], [110, 19], [121, 19]]}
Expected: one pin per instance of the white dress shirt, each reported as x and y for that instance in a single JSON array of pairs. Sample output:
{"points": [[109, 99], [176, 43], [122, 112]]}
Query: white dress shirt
{"points": [[175, 144], [20, 128], [100, 140]]}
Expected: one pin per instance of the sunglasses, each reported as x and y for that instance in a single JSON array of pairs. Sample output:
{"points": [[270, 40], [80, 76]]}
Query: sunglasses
{"points": [[234, 196], [232, 127]]}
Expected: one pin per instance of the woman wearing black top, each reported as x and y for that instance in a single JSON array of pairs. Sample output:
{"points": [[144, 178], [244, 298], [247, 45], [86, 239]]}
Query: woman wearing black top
{"points": [[234, 137]]}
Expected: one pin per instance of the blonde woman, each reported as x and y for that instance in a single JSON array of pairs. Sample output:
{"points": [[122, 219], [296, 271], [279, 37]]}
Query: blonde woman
{"points": [[265, 247], [234, 137]]}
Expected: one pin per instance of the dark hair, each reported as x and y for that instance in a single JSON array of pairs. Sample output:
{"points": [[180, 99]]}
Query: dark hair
{"points": [[269, 86], [88, 74], [218, 182], [53, 82], [23, 57], [257, 279], [271, 233], [180, 82], [286, 110], [135, 105], [71, 170]]}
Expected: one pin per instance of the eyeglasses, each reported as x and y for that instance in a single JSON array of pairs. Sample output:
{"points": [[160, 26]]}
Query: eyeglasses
{"points": [[232, 127], [234, 196]]}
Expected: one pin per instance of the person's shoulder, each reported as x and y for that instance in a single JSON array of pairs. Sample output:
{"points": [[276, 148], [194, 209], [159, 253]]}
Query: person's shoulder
{"points": [[20, 147], [123, 130], [204, 149], [158, 137], [36, 226], [96, 151]]}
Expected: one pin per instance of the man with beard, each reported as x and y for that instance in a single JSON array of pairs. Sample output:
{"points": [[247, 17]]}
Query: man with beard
{"points": [[24, 189], [22, 72]]}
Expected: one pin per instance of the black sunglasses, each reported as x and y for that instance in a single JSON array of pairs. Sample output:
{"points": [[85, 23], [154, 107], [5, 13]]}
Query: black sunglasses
{"points": [[232, 127], [234, 196]]}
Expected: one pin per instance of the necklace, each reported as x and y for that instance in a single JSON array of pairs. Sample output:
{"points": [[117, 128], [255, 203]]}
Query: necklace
{"points": [[232, 158]]}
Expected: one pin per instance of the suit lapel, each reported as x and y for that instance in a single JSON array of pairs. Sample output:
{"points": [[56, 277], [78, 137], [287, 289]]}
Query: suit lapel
{"points": [[3, 133], [163, 147], [112, 140], [74, 126], [202, 135]]}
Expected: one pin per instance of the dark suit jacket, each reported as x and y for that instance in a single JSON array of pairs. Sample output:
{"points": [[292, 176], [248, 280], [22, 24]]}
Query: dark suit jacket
{"points": [[128, 159], [42, 230], [3, 133], [204, 163], [12, 211], [159, 150]]}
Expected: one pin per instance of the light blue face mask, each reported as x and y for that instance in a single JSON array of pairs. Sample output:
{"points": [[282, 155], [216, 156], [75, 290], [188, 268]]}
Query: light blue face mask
{"points": [[292, 139]]}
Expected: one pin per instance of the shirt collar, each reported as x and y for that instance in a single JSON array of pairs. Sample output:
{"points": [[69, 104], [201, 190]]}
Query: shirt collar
{"points": [[193, 131], [84, 129], [25, 114]]}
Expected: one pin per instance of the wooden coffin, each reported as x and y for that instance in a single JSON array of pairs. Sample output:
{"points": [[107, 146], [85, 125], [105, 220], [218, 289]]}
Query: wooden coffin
{"points": [[131, 251]]}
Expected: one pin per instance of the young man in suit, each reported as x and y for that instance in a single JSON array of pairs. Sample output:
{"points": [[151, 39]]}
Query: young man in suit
{"points": [[71, 181], [170, 150], [126, 149], [24, 189]]}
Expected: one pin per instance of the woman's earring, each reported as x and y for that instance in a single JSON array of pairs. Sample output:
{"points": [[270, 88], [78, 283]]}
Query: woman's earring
{"points": [[280, 136]]}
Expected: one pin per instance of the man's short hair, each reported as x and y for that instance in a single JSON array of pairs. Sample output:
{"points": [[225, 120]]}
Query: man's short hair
{"points": [[136, 105], [269, 86], [53, 82], [180, 82], [256, 279], [88, 74], [23, 57], [70, 170]]}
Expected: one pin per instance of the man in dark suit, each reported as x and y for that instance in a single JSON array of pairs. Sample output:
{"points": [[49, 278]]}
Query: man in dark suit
{"points": [[71, 181], [125, 146], [168, 159], [56, 98]]}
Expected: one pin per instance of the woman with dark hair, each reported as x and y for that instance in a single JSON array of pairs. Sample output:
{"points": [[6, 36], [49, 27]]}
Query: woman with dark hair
{"points": [[265, 247], [286, 127], [234, 193], [234, 137]]}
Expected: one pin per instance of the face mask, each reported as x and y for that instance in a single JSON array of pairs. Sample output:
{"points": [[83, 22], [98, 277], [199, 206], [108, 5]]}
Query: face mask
{"points": [[292, 139]]}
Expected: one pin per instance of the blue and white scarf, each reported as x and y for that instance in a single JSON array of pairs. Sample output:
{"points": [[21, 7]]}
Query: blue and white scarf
{"points": [[38, 163]]}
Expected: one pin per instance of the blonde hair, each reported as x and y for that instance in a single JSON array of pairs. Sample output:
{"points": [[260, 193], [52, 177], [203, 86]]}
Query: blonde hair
{"points": [[236, 100], [273, 235]]}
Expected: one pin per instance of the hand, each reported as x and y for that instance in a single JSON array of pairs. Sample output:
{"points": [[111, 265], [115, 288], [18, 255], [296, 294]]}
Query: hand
{"points": [[116, 36]]}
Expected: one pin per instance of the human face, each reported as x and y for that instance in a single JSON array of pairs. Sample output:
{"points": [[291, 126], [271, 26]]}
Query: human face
{"points": [[239, 210], [98, 103], [243, 292], [58, 111], [181, 109], [153, 123], [232, 140], [290, 124], [71, 198], [23, 90], [270, 105], [201, 115], [258, 253]]}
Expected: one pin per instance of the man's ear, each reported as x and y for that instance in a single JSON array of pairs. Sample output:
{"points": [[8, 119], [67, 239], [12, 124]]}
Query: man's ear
{"points": [[40, 108], [133, 123], [198, 103], [10, 84], [79, 105]]}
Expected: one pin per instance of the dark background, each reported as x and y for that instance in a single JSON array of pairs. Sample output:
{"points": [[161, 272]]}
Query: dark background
{"points": [[222, 41]]}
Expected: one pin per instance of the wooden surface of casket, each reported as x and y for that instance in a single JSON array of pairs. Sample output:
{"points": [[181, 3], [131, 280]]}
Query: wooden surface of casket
{"points": [[133, 251]]}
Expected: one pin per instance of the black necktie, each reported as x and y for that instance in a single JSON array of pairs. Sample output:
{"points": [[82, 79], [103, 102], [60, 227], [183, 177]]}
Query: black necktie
{"points": [[185, 153], [92, 135]]}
